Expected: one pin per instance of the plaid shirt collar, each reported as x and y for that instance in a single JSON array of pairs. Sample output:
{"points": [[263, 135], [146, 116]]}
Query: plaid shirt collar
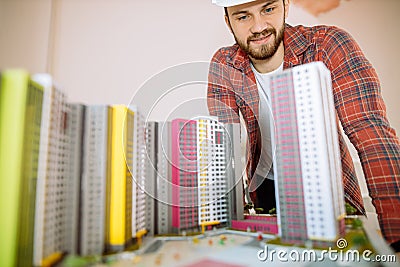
{"points": [[295, 45]]}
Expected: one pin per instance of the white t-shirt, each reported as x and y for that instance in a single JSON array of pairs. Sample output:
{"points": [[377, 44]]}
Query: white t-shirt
{"points": [[264, 167]]}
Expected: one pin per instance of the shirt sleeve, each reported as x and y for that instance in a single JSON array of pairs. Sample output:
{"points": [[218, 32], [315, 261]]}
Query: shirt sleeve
{"points": [[362, 112], [221, 99]]}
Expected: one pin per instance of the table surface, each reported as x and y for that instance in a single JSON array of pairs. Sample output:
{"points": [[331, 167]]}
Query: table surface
{"points": [[227, 248]]}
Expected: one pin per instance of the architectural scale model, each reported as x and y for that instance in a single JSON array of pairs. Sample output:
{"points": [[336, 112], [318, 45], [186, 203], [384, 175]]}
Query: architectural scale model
{"points": [[20, 131], [202, 165], [310, 200], [184, 175], [138, 170], [52, 232], [163, 215], [106, 178], [94, 180], [211, 168], [74, 129], [120, 198], [150, 157]]}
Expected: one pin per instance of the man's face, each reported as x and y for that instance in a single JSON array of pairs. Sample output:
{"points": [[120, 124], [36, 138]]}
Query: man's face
{"points": [[258, 26]]}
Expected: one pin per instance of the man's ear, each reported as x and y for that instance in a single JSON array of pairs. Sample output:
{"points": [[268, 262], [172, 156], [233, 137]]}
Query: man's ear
{"points": [[287, 4], [228, 23]]}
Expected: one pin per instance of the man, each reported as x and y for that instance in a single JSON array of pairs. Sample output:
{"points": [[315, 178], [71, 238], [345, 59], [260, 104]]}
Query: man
{"points": [[265, 44]]}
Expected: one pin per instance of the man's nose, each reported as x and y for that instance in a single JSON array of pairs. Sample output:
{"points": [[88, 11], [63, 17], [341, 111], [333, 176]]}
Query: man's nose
{"points": [[258, 24]]}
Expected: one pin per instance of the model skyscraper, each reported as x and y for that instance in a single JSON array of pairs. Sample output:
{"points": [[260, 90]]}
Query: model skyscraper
{"points": [[95, 172], [20, 131], [163, 180], [184, 174], [119, 197], [212, 165], [307, 166], [53, 190], [138, 170]]}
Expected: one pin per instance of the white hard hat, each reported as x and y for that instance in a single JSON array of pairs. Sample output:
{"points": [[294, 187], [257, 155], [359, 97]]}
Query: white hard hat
{"points": [[228, 3]]}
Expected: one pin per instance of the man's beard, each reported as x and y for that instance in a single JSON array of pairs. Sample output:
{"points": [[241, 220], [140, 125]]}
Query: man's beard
{"points": [[265, 51]]}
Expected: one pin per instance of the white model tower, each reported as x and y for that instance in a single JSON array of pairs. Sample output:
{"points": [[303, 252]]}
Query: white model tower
{"points": [[307, 162]]}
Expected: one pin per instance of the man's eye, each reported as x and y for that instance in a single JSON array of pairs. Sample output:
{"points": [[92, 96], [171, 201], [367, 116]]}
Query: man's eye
{"points": [[269, 10], [243, 17]]}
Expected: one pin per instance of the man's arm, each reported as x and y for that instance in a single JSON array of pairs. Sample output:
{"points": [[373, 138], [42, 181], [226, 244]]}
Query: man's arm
{"points": [[362, 112], [220, 94]]}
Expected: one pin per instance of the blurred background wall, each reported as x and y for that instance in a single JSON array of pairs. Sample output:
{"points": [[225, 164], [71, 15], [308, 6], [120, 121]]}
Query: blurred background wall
{"points": [[102, 51]]}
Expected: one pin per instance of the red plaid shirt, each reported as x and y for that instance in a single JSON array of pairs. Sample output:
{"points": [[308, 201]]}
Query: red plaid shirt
{"points": [[358, 102]]}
